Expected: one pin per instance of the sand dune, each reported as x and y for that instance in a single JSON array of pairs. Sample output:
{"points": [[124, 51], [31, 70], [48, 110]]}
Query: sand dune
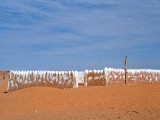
{"points": [[104, 103]]}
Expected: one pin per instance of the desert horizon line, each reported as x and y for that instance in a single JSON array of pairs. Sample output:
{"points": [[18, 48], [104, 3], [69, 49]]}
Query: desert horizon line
{"points": [[77, 70]]}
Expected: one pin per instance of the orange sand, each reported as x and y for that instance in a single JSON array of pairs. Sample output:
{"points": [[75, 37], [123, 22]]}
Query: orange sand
{"points": [[120, 102]]}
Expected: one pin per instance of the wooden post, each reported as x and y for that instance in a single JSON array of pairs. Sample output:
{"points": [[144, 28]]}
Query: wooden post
{"points": [[126, 70]]}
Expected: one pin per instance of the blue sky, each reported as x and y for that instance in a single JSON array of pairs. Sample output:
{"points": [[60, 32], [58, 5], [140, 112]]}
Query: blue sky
{"points": [[79, 34]]}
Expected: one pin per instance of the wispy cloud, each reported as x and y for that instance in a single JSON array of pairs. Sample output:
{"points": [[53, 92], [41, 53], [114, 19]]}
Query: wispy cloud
{"points": [[67, 27]]}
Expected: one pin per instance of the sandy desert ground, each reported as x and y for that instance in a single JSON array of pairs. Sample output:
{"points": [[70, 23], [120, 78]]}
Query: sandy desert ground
{"points": [[119, 102]]}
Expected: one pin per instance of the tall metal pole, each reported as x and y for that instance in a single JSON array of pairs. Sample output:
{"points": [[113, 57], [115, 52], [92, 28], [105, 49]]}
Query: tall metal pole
{"points": [[126, 70]]}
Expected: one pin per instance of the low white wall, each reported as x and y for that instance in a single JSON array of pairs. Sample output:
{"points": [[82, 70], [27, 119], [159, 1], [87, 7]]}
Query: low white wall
{"points": [[71, 79], [60, 79]]}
